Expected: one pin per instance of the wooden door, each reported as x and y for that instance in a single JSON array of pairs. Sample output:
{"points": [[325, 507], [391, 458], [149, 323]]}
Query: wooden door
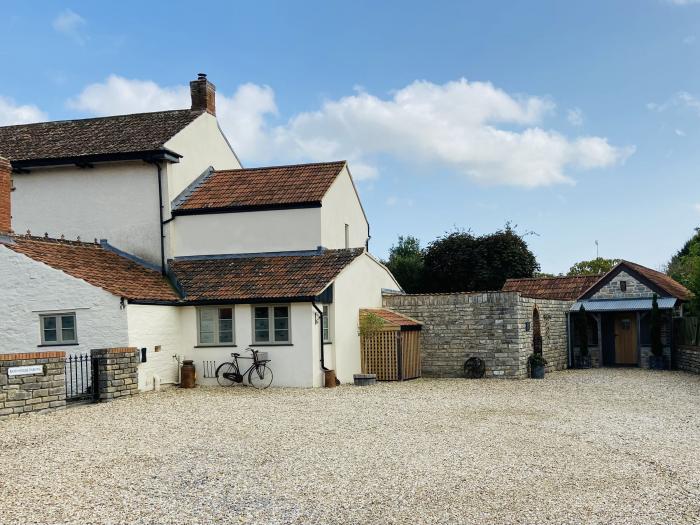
{"points": [[626, 339]]}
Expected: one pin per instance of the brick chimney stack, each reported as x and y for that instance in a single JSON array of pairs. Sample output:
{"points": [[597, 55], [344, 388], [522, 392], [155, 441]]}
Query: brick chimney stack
{"points": [[5, 196], [203, 94]]}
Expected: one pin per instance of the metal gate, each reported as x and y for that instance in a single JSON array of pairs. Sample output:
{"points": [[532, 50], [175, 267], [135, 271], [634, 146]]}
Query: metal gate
{"points": [[81, 378]]}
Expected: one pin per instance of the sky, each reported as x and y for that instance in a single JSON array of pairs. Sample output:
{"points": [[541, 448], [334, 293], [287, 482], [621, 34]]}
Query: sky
{"points": [[575, 122]]}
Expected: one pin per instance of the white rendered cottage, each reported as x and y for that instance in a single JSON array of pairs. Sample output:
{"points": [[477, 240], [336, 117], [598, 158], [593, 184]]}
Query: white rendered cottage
{"points": [[271, 257]]}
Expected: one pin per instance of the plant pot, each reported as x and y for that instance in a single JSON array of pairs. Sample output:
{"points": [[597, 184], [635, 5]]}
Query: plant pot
{"points": [[537, 372], [657, 362], [582, 361]]}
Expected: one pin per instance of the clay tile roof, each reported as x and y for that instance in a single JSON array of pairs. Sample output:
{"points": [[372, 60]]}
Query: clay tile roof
{"points": [[97, 266], [663, 281], [260, 187], [561, 288], [141, 132], [267, 277], [391, 317]]}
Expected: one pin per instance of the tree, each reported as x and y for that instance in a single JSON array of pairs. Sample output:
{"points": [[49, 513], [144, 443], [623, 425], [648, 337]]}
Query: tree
{"points": [[656, 345], [595, 266], [684, 267], [460, 261], [406, 263]]}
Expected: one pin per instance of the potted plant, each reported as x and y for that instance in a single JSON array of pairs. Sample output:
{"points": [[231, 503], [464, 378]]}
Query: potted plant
{"points": [[536, 362], [656, 359], [583, 360]]}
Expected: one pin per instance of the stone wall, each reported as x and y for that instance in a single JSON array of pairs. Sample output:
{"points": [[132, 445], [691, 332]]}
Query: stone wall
{"points": [[489, 325], [32, 393], [118, 372], [689, 358], [611, 290]]}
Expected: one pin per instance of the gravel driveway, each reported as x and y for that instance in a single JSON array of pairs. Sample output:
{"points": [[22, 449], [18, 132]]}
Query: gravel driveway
{"points": [[598, 446]]}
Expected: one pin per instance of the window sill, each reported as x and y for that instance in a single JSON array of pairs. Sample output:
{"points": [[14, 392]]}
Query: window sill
{"points": [[272, 344], [57, 344], [216, 346]]}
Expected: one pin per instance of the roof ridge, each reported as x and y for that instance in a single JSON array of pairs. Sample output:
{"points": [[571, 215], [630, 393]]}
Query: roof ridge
{"points": [[302, 165], [101, 118], [555, 277], [73, 242]]}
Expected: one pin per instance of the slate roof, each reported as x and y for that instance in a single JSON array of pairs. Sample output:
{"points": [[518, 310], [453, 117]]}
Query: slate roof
{"points": [[140, 132], [260, 277], [259, 187], [100, 267], [561, 288], [392, 318]]}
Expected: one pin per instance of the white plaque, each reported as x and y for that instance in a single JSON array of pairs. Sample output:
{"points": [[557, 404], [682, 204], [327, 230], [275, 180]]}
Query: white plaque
{"points": [[25, 370]]}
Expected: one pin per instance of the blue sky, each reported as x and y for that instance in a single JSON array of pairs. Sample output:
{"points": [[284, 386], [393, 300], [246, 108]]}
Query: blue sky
{"points": [[576, 120]]}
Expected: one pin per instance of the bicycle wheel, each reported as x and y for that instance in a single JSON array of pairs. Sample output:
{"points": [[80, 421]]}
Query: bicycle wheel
{"points": [[260, 376], [225, 373]]}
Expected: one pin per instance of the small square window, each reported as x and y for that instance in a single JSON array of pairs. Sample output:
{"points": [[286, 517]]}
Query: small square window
{"points": [[271, 324], [58, 329], [623, 286], [216, 326]]}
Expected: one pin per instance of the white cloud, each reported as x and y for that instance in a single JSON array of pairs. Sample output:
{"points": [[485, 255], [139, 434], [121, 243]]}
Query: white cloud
{"points": [[681, 99], [393, 200], [471, 127], [575, 116], [71, 24], [11, 113], [679, 132]]}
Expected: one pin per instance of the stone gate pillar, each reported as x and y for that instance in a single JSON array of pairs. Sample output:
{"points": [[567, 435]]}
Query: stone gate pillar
{"points": [[117, 372]]}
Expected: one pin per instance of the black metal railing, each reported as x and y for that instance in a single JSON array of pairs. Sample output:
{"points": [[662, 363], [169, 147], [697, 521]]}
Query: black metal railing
{"points": [[81, 378]]}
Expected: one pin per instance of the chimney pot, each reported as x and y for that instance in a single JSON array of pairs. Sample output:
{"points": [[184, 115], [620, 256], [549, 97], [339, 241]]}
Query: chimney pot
{"points": [[203, 94], [5, 196]]}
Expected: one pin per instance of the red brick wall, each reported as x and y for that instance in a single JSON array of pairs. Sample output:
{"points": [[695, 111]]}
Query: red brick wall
{"points": [[5, 190]]}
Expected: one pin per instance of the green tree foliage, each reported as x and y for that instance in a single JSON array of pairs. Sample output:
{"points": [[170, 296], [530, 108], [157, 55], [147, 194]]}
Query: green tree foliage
{"points": [[406, 263], [593, 267], [460, 261], [582, 331], [656, 346], [684, 267]]}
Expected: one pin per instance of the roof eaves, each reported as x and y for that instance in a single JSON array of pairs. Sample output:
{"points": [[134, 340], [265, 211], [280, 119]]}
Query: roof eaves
{"points": [[162, 154]]}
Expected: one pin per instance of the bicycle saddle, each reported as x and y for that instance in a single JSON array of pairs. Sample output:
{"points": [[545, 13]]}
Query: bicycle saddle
{"points": [[235, 354]]}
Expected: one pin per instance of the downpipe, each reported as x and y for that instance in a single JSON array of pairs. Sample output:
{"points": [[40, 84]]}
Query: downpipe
{"points": [[320, 316]]}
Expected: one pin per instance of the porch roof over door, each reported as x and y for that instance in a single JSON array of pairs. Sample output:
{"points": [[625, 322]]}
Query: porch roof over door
{"points": [[623, 305]]}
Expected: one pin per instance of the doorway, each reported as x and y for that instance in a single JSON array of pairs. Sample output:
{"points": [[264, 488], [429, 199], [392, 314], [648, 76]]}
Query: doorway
{"points": [[626, 338]]}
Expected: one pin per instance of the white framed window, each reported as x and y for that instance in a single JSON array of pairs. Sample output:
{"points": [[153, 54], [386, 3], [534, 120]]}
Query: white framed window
{"points": [[215, 326], [59, 329], [272, 324], [326, 323]]}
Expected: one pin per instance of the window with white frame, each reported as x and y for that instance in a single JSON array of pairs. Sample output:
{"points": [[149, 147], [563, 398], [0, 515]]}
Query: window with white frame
{"points": [[215, 326], [326, 325], [58, 329], [271, 324]]}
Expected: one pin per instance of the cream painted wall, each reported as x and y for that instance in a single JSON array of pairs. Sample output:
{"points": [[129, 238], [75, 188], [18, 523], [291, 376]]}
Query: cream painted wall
{"points": [[247, 232], [150, 326], [201, 144], [30, 288], [292, 366], [341, 206], [358, 286], [113, 201]]}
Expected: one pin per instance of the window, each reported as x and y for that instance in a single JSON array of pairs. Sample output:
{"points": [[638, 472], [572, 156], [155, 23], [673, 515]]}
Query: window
{"points": [[215, 326], [623, 286], [271, 324], [326, 325], [58, 329], [592, 331], [347, 236]]}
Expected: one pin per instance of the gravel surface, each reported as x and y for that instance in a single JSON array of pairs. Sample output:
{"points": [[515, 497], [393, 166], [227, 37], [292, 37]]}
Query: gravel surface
{"points": [[599, 446]]}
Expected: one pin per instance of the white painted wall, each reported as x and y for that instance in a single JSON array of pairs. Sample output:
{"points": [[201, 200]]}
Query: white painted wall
{"points": [[150, 326], [247, 232], [30, 288], [358, 286], [341, 206], [292, 366], [201, 144], [114, 201]]}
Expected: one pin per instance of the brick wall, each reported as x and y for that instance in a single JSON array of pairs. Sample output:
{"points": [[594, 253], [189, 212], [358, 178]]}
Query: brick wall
{"points": [[689, 358], [489, 325], [5, 195], [118, 372], [35, 393]]}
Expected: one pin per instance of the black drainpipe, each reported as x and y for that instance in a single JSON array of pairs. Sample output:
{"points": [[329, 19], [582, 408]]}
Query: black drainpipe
{"points": [[162, 223], [320, 313]]}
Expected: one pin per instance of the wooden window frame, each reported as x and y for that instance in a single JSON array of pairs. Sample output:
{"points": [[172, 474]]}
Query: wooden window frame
{"points": [[271, 324], [217, 339]]}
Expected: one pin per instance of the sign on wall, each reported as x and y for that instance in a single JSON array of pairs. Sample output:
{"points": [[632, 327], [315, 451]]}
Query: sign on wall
{"points": [[25, 370]]}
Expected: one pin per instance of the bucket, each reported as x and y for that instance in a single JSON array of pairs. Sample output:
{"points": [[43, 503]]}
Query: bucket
{"points": [[187, 374]]}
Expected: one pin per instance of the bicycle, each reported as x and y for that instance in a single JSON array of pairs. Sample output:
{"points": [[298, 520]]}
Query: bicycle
{"points": [[259, 374]]}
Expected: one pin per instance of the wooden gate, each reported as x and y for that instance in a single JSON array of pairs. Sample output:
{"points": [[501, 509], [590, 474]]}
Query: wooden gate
{"points": [[392, 352]]}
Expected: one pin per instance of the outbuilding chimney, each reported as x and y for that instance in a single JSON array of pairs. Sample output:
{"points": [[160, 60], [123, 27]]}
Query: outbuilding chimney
{"points": [[5, 196], [203, 94]]}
